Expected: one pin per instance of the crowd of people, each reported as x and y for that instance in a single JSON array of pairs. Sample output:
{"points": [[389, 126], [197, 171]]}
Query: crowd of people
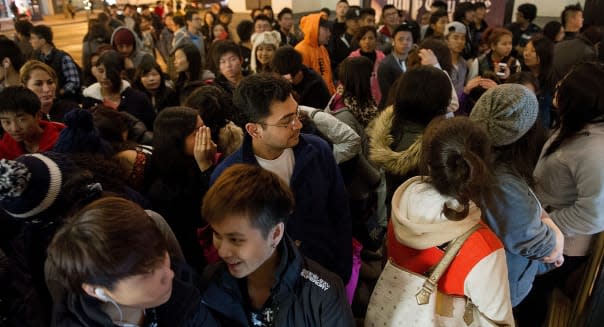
{"points": [[328, 173]]}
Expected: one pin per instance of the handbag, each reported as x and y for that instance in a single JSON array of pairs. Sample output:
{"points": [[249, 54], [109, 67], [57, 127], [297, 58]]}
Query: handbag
{"points": [[405, 298]]}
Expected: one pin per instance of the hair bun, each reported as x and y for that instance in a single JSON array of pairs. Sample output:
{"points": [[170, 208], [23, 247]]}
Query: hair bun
{"points": [[14, 178]]}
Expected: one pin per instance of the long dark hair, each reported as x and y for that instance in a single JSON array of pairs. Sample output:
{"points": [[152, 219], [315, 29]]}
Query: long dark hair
{"points": [[416, 99], [211, 102], [194, 59], [523, 154], [171, 128], [544, 48], [355, 75], [144, 68], [456, 154], [580, 101], [114, 66]]}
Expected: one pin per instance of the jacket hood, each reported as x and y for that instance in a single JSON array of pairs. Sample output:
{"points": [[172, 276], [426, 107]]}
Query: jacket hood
{"points": [[310, 27], [138, 44], [418, 219], [380, 153]]}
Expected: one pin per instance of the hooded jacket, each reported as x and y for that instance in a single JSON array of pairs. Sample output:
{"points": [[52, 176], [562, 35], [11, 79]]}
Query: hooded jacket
{"points": [[478, 271], [304, 294], [315, 55], [137, 54], [399, 157]]}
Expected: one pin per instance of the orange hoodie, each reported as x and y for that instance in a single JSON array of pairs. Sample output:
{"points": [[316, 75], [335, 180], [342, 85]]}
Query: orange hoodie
{"points": [[314, 55]]}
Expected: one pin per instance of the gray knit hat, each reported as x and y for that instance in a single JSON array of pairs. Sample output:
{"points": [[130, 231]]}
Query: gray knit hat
{"points": [[507, 112]]}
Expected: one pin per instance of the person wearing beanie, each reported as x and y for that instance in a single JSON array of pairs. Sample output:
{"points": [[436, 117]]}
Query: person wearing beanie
{"points": [[128, 44], [533, 243], [524, 28], [314, 53], [264, 46], [37, 191], [24, 129]]}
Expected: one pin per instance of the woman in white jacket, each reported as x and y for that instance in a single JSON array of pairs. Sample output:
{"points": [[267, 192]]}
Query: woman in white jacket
{"points": [[428, 213]]}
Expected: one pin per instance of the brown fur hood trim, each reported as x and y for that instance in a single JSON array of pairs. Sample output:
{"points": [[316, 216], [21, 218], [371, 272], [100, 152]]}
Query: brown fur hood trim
{"points": [[380, 153]]}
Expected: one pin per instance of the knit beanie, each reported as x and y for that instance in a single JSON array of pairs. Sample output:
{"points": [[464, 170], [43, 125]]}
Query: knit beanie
{"points": [[30, 184], [80, 135], [507, 112], [123, 36]]}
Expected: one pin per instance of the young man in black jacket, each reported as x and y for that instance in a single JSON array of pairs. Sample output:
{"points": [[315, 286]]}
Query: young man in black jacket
{"points": [[264, 280]]}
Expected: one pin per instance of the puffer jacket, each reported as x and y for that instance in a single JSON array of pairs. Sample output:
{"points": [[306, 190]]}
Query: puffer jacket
{"points": [[304, 294]]}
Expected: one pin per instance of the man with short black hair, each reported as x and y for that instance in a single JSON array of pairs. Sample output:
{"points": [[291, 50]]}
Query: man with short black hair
{"points": [[21, 119], [367, 17], [338, 25], [286, 27], [22, 35], [340, 46], [523, 29], [308, 85], [394, 64], [67, 70], [320, 225], [572, 20], [191, 33], [264, 279], [391, 20], [245, 28], [262, 23]]}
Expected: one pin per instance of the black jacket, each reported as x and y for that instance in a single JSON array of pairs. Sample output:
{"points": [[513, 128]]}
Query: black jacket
{"points": [[132, 101], [312, 90], [184, 308], [304, 294]]}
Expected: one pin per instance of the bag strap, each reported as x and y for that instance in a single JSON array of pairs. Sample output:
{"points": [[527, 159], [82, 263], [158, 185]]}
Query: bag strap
{"points": [[423, 296]]}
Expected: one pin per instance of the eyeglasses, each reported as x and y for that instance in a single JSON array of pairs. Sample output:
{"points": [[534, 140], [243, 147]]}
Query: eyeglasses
{"points": [[291, 123]]}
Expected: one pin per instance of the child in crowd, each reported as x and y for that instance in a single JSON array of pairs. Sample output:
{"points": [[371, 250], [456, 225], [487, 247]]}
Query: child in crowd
{"points": [[24, 129]]}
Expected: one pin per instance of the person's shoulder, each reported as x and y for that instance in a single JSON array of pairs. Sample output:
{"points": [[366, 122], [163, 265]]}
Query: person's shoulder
{"points": [[319, 279], [315, 141]]}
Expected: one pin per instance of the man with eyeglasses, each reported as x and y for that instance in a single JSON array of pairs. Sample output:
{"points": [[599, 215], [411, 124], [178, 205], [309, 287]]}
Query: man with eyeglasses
{"points": [[191, 33], [320, 225]]}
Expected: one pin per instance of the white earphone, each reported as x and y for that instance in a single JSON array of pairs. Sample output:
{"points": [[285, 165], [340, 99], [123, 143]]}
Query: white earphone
{"points": [[101, 294]]}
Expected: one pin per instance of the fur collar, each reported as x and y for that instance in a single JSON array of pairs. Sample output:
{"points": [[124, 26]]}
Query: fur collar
{"points": [[380, 151]]}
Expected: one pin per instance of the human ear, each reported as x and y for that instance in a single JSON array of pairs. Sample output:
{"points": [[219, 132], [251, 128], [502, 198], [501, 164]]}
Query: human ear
{"points": [[277, 233], [252, 129]]}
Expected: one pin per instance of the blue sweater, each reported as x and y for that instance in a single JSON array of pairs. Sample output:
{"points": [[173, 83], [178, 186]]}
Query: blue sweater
{"points": [[321, 219]]}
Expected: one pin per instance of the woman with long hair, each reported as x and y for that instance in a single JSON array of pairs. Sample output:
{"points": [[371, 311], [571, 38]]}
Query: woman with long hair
{"points": [[183, 159], [538, 60], [429, 213], [366, 39], [569, 172], [498, 59], [395, 135], [114, 92], [151, 80], [436, 27], [188, 66], [354, 105]]}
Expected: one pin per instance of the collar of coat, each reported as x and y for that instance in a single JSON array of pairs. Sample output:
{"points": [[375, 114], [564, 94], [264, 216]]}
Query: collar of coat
{"points": [[380, 151]]}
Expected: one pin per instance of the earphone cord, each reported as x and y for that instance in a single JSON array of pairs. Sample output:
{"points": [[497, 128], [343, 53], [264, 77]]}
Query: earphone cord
{"points": [[117, 307]]}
